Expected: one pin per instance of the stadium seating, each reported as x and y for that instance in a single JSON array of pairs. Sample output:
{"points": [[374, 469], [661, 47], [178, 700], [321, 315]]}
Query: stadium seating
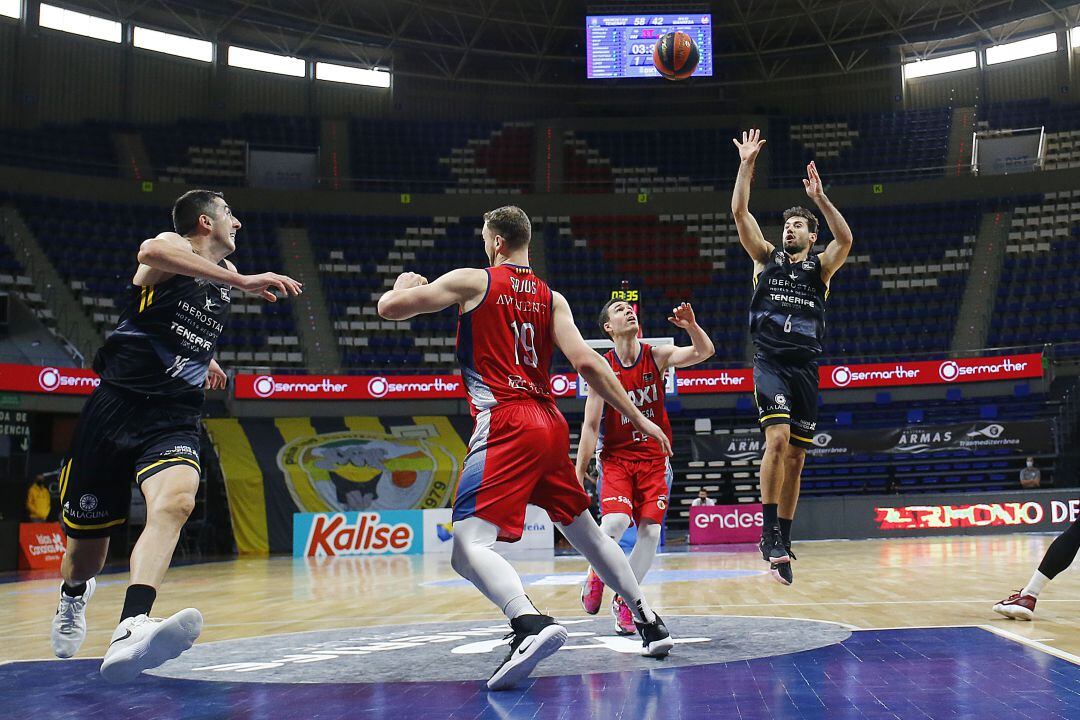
{"points": [[1038, 281], [441, 156], [869, 148], [204, 152], [650, 161], [85, 149]]}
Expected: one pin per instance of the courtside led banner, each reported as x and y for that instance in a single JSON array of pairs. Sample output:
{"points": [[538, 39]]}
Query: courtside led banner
{"points": [[53, 380], [391, 532], [931, 372], [75, 381]]}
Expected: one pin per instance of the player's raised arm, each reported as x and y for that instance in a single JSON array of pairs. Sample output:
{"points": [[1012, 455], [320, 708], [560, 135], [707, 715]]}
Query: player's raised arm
{"points": [[597, 372], [837, 251], [171, 254], [749, 232], [413, 295], [590, 432], [700, 349]]}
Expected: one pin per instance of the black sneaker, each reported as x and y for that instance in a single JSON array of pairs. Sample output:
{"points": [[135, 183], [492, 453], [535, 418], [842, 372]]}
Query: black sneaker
{"points": [[782, 572], [535, 637], [656, 641], [772, 546]]}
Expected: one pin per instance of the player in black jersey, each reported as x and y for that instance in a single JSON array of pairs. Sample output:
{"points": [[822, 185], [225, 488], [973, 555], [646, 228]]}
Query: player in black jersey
{"points": [[142, 424], [787, 323]]}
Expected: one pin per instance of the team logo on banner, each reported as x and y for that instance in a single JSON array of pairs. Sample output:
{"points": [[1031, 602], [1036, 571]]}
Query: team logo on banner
{"points": [[369, 470]]}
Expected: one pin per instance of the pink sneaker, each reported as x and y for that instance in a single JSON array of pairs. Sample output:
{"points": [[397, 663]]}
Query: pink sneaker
{"points": [[592, 593], [624, 619], [1017, 606]]}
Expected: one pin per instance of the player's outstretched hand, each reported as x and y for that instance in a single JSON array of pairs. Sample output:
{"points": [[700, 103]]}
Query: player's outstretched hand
{"points": [[682, 316], [653, 430], [750, 145], [216, 377], [815, 190], [408, 280], [261, 285]]}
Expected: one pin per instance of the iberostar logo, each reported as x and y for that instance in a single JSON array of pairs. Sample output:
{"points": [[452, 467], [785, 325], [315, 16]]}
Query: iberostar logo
{"points": [[370, 470]]}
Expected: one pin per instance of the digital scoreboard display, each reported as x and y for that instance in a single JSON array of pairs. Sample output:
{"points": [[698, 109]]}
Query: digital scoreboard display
{"points": [[621, 46]]}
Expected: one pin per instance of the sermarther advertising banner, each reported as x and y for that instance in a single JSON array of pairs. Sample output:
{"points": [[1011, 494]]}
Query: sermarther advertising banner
{"points": [[1026, 436], [901, 373]]}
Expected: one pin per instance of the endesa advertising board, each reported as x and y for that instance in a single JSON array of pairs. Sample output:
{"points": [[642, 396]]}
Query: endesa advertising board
{"points": [[718, 524], [688, 382]]}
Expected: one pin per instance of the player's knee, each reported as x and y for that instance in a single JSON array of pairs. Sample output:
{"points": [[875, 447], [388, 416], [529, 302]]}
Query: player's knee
{"points": [[777, 442], [614, 524], [649, 531], [459, 558], [176, 506]]}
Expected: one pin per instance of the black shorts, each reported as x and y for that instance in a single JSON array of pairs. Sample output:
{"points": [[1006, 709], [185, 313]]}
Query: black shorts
{"points": [[121, 437], [787, 393]]}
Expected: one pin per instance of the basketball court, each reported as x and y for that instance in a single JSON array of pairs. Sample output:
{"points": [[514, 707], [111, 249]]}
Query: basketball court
{"points": [[871, 629]]}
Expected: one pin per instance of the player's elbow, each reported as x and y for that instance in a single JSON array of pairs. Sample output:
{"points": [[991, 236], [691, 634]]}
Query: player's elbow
{"points": [[150, 252], [588, 364], [389, 309]]}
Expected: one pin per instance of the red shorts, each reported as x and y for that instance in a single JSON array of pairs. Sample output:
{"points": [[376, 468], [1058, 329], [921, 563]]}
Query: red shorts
{"points": [[638, 488], [519, 454]]}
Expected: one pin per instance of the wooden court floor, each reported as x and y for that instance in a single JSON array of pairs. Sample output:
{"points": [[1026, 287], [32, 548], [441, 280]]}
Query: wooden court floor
{"points": [[867, 584]]}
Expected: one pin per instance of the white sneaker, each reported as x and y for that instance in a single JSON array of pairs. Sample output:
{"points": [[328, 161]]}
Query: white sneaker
{"points": [[142, 642], [69, 622]]}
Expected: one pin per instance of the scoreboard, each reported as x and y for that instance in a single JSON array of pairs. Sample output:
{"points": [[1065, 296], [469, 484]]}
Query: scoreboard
{"points": [[621, 46]]}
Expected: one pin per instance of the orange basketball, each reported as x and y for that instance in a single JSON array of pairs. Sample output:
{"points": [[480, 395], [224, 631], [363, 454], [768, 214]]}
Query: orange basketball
{"points": [[676, 56]]}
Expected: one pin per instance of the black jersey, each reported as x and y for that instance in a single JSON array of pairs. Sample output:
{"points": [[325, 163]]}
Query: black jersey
{"points": [[166, 338], [787, 312]]}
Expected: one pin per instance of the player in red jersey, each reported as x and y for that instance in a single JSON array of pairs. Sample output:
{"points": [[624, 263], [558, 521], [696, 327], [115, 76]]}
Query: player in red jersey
{"points": [[635, 475], [509, 324]]}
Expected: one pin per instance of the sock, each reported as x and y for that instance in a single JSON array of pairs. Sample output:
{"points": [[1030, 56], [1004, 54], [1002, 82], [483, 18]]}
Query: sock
{"points": [[73, 591], [520, 605], [609, 562], [768, 514], [138, 601], [785, 529], [1035, 584]]}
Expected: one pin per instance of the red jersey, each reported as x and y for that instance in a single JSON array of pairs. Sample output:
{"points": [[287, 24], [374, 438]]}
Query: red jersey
{"points": [[504, 344], [644, 383]]}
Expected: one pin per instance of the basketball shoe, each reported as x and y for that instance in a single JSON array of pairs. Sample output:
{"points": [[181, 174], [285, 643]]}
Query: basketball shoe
{"points": [[535, 637], [782, 571], [772, 546], [1017, 606], [69, 622], [592, 593], [624, 619], [140, 643], [656, 641]]}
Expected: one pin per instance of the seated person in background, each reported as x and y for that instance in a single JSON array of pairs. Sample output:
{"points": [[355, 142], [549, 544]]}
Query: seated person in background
{"points": [[702, 498]]}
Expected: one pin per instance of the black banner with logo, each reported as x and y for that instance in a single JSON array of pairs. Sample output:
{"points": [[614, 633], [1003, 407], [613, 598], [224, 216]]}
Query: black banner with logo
{"points": [[1032, 437]]}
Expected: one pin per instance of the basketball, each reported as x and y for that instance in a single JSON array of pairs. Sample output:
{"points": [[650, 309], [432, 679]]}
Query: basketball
{"points": [[676, 56]]}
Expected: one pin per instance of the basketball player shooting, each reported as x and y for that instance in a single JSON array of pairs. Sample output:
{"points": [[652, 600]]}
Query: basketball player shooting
{"points": [[634, 473], [142, 424], [787, 323], [509, 324]]}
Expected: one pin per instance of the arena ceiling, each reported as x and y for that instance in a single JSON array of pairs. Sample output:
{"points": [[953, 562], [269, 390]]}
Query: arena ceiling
{"points": [[541, 42]]}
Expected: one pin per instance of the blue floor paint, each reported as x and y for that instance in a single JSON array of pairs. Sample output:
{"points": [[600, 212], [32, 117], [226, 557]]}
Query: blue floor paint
{"points": [[914, 673]]}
